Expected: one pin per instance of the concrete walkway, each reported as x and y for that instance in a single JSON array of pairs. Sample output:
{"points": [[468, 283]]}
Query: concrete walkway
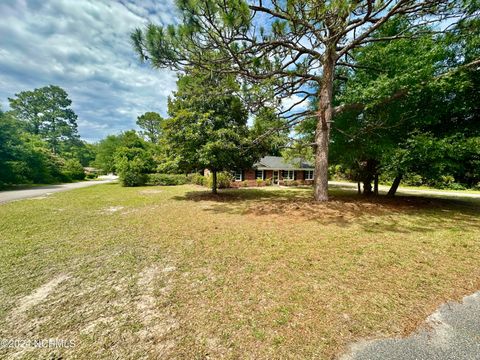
{"points": [[408, 191], [452, 332], [12, 195]]}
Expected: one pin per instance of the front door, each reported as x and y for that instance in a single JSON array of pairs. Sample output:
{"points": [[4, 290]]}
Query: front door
{"points": [[275, 177]]}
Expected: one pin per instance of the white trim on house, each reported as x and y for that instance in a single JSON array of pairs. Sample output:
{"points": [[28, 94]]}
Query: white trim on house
{"points": [[290, 174], [260, 177], [280, 169], [276, 180], [309, 174], [238, 175]]}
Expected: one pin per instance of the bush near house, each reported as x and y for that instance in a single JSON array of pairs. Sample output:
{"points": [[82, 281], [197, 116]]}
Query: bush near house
{"points": [[131, 172], [223, 180], [196, 179]]}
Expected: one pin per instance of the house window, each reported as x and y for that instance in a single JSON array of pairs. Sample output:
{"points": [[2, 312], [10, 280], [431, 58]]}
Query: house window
{"points": [[308, 174], [288, 175], [259, 174], [238, 175]]}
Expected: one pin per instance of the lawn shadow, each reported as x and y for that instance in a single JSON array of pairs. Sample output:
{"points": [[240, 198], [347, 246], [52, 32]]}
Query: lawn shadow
{"points": [[345, 208]]}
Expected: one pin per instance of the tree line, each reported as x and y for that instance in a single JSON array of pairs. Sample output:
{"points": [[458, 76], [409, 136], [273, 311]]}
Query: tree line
{"points": [[329, 54], [206, 128], [39, 141], [384, 91]]}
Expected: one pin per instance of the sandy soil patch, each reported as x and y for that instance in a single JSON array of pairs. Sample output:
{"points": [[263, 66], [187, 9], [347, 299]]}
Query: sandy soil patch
{"points": [[39, 295], [158, 322], [112, 209]]}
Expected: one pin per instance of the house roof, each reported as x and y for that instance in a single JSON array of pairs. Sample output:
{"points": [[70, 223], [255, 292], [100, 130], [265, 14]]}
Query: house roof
{"points": [[279, 163]]}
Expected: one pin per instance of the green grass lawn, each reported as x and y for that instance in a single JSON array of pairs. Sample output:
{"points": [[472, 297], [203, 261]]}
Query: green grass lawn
{"points": [[173, 272]]}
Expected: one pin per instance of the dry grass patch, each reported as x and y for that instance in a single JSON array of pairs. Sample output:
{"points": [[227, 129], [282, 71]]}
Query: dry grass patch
{"points": [[250, 273]]}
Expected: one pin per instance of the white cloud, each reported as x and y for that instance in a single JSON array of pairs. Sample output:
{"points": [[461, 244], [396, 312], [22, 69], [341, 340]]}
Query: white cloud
{"points": [[84, 47], [295, 103]]}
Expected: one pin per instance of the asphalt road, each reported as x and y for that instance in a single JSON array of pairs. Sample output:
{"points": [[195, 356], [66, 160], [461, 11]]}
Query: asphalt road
{"points": [[452, 332], [41, 191]]}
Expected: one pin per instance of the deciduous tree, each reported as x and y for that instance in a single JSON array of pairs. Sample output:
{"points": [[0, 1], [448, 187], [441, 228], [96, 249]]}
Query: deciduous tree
{"points": [[207, 128], [294, 46], [428, 127]]}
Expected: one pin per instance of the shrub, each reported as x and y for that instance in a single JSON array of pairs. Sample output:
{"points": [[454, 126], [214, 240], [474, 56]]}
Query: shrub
{"points": [[268, 182], [92, 176], [197, 179], [337, 172], [290, 183], [72, 169], [166, 179], [244, 183], [130, 172], [223, 180], [259, 182], [456, 186], [412, 180], [446, 180]]}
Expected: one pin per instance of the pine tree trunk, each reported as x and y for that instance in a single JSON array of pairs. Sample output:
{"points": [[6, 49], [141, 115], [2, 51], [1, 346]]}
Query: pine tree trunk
{"points": [[214, 181], [322, 133], [359, 189], [394, 187], [375, 185]]}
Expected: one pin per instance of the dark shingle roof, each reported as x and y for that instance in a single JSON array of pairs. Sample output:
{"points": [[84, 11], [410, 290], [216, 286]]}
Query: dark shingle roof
{"points": [[279, 163]]}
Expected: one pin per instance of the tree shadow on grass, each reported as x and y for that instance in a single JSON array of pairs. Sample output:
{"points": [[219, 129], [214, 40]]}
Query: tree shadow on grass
{"points": [[402, 214]]}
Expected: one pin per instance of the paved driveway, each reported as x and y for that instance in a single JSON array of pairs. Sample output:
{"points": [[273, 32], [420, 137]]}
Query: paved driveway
{"points": [[12, 195], [452, 332]]}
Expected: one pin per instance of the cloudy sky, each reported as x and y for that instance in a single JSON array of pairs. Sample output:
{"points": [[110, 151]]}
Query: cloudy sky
{"points": [[84, 47]]}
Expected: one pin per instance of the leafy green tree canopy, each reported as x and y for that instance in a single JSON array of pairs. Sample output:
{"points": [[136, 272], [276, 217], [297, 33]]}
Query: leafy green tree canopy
{"points": [[107, 149], [24, 157], [207, 128], [293, 47], [429, 125], [46, 112], [151, 124], [267, 132]]}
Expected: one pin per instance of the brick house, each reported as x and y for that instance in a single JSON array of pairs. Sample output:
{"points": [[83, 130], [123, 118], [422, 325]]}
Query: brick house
{"points": [[277, 169]]}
